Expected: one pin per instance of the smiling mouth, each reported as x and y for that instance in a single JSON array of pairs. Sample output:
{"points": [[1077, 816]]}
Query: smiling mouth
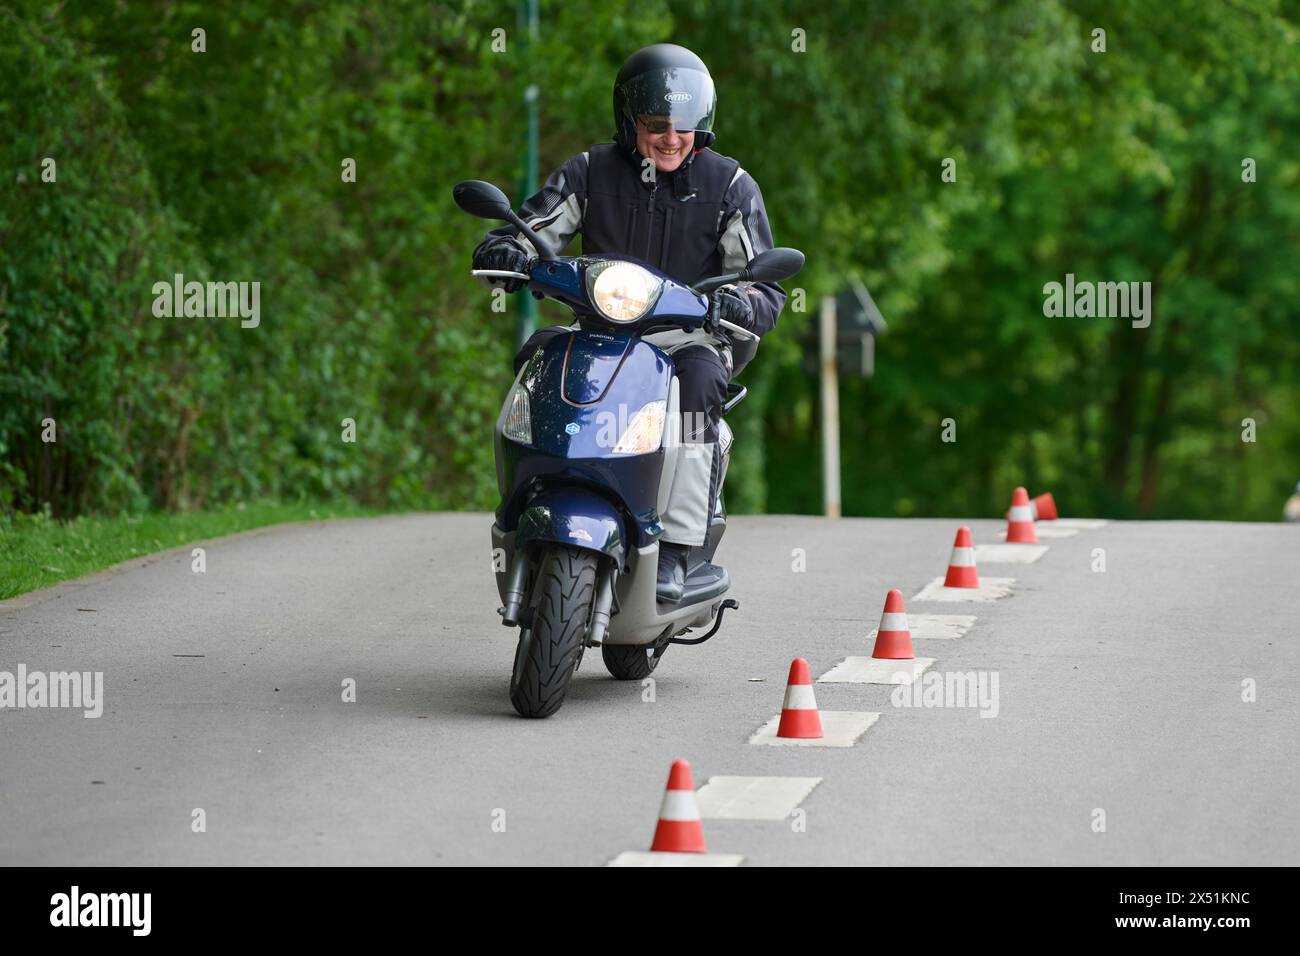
{"points": [[668, 152]]}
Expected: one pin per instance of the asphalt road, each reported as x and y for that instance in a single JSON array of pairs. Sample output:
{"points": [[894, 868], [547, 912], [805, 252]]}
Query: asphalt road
{"points": [[1119, 691]]}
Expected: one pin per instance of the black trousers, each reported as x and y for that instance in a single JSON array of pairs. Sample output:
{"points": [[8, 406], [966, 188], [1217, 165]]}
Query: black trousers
{"points": [[702, 383]]}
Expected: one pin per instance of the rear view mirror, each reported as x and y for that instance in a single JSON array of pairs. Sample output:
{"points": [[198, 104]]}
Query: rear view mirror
{"points": [[487, 202], [771, 266], [482, 200], [774, 265]]}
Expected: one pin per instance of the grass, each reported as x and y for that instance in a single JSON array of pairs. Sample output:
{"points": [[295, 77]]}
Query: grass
{"points": [[37, 551]]}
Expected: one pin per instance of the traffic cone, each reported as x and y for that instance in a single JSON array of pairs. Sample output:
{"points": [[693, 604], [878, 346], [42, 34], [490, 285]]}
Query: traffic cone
{"points": [[1042, 508], [961, 566], [799, 717], [1020, 523], [679, 829], [893, 638]]}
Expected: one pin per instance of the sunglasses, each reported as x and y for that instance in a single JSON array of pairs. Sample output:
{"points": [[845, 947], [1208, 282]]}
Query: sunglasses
{"points": [[656, 127]]}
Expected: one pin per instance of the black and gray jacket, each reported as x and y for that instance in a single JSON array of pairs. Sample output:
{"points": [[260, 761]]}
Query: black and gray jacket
{"points": [[703, 219]]}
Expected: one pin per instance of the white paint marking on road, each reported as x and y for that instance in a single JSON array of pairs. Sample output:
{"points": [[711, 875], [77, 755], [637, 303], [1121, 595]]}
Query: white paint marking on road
{"points": [[753, 798], [676, 859], [1085, 523], [990, 589], [1045, 532], [873, 670], [931, 627], [841, 728], [1009, 553]]}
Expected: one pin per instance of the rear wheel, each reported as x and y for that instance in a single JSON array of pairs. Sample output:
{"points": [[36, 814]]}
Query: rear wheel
{"points": [[631, 663], [549, 649]]}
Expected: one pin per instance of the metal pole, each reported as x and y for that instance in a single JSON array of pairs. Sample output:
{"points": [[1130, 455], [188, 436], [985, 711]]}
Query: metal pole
{"points": [[528, 185], [830, 410]]}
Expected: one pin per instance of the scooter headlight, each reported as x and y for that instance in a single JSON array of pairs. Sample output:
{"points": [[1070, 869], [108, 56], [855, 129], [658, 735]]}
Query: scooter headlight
{"points": [[644, 431], [623, 291], [518, 425]]}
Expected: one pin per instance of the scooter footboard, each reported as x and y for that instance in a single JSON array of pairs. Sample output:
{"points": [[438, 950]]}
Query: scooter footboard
{"points": [[641, 618]]}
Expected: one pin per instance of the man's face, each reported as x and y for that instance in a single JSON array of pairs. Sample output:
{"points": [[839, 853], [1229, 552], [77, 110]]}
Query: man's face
{"points": [[667, 149]]}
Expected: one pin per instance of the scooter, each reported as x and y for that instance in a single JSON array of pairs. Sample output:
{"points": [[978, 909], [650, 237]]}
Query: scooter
{"points": [[587, 445]]}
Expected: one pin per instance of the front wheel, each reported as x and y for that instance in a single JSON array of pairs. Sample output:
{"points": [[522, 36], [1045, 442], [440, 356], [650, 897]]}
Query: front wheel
{"points": [[549, 649]]}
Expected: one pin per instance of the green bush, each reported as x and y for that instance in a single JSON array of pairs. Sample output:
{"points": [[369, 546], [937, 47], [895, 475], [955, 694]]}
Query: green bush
{"points": [[225, 165]]}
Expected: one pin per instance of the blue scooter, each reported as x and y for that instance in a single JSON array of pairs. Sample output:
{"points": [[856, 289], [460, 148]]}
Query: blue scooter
{"points": [[587, 445]]}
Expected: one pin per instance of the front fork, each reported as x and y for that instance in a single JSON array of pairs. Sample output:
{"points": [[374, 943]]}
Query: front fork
{"points": [[600, 608], [516, 589], [517, 594]]}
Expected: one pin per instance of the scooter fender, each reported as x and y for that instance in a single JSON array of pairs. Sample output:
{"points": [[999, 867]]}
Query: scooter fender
{"points": [[580, 519]]}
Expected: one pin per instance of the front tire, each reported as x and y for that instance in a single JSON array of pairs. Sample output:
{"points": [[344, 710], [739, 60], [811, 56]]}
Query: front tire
{"points": [[549, 650]]}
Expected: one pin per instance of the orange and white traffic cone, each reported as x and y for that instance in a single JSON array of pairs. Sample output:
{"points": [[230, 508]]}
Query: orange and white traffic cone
{"points": [[1042, 508], [961, 566], [679, 829], [799, 717], [894, 638], [1020, 522]]}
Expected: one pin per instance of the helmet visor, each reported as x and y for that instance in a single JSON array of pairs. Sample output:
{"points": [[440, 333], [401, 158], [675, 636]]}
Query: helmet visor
{"points": [[678, 97]]}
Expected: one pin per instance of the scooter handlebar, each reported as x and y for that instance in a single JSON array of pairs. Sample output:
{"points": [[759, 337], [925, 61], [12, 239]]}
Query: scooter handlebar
{"points": [[737, 330], [499, 274], [731, 327]]}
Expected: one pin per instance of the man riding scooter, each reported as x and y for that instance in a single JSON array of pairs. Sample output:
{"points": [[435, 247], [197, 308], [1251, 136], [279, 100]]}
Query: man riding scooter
{"points": [[660, 194]]}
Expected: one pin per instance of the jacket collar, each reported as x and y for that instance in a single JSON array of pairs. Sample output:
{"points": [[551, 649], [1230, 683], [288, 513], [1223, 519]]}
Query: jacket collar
{"points": [[679, 180]]}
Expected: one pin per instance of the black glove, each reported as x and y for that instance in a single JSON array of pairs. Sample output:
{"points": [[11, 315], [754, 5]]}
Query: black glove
{"points": [[730, 305], [505, 254]]}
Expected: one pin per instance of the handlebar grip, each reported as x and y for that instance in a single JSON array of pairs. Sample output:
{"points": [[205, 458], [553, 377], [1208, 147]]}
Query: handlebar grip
{"points": [[735, 329], [499, 274]]}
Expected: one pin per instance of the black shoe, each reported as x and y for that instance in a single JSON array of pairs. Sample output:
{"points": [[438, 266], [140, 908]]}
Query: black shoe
{"points": [[672, 572], [706, 575], [705, 582]]}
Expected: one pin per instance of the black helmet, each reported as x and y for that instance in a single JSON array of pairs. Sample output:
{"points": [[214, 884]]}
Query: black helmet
{"points": [[664, 80]]}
